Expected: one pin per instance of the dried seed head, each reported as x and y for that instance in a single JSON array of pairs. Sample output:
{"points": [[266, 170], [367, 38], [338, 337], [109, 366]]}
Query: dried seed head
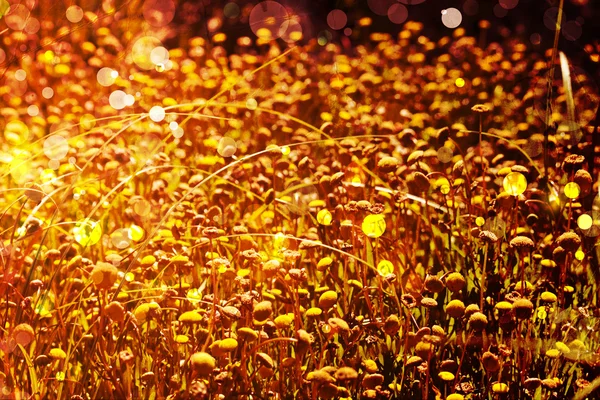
{"points": [[283, 321], [499, 387], [417, 182], [478, 321], [522, 244], [23, 334], [569, 241], [262, 310], [414, 157], [228, 345], [338, 325], [488, 237], [265, 360], [346, 374], [327, 299], [247, 334], [480, 108], [320, 376], [584, 180], [455, 308], [433, 284], [490, 362], [532, 383], [328, 391], [104, 275], [370, 366], [471, 309], [458, 169], [455, 282], [573, 162], [523, 308], [115, 311], [413, 361], [202, 363], [391, 325], [428, 302], [504, 306], [371, 381], [423, 349], [438, 331], [387, 164]]}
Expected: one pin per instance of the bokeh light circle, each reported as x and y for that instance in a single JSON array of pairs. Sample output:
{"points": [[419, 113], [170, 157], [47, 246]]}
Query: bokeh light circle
{"points": [[337, 19], [158, 13], [142, 207], [74, 14], [32, 26], [551, 18], [470, 7], [47, 92], [572, 190], [585, 221], [147, 146], [269, 20], [572, 30], [231, 10], [226, 147], [87, 232], [120, 238], [56, 147], [293, 32], [412, 2], [374, 225], [16, 132], [593, 220], [142, 50], [508, 4], [106, 76], [159, 55], [380, 7], [16, 17], [445, 154], [451, 17], [495, 225], [157, 113], [117, 99], [251, 104], [397, 13], [515, 183]]}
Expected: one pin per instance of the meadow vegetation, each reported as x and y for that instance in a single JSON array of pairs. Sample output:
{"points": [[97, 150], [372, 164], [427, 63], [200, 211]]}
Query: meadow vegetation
{"points": [[402, 219]]}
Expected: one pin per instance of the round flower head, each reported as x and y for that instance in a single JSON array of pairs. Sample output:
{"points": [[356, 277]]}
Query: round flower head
{"points": [[455, 308], [263, 310], [522, 244], [584, 180], [455, 281], [346, 374], [433, 284], [523, 308], [327, 299], [490, 362], [573, 162], [569, 241], [480, 108], [202, 363], [104, 275], [478, 321], [387, 164], [488, 237]]}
